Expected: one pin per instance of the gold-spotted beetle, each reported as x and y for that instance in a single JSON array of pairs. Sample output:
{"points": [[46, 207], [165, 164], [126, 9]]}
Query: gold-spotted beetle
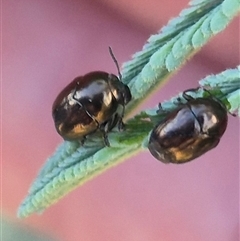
{"points": [[189, 131], [95, 101]]}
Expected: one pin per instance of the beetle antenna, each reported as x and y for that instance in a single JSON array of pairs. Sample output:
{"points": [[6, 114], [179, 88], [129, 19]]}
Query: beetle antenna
{"points": [[116, 62]]}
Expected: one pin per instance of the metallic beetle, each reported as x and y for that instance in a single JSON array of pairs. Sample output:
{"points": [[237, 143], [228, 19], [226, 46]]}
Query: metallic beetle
{"points": [[95, 101], [189, 131]]}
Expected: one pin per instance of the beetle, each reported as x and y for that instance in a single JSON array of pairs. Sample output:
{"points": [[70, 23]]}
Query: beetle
{"points": [[189, 131], [95, 101]]}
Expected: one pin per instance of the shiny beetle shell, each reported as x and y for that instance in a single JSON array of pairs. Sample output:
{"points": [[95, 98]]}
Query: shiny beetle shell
{"points": [[190, 131], [95, 101]]}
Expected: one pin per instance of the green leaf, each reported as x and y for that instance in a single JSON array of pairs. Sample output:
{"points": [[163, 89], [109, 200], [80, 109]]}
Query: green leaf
{"points": [[167, 51], [72, 165]]}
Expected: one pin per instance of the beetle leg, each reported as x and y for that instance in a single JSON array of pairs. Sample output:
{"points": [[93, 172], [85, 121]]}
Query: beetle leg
{"points": [[189, 97], [82, 140], [186, 96], [120, 121], [121, 125], [104, 129], [105, 139], [160, 109]]}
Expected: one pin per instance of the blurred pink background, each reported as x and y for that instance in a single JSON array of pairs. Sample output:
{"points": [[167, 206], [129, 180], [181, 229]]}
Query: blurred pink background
{"points": [[48, 43]]}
